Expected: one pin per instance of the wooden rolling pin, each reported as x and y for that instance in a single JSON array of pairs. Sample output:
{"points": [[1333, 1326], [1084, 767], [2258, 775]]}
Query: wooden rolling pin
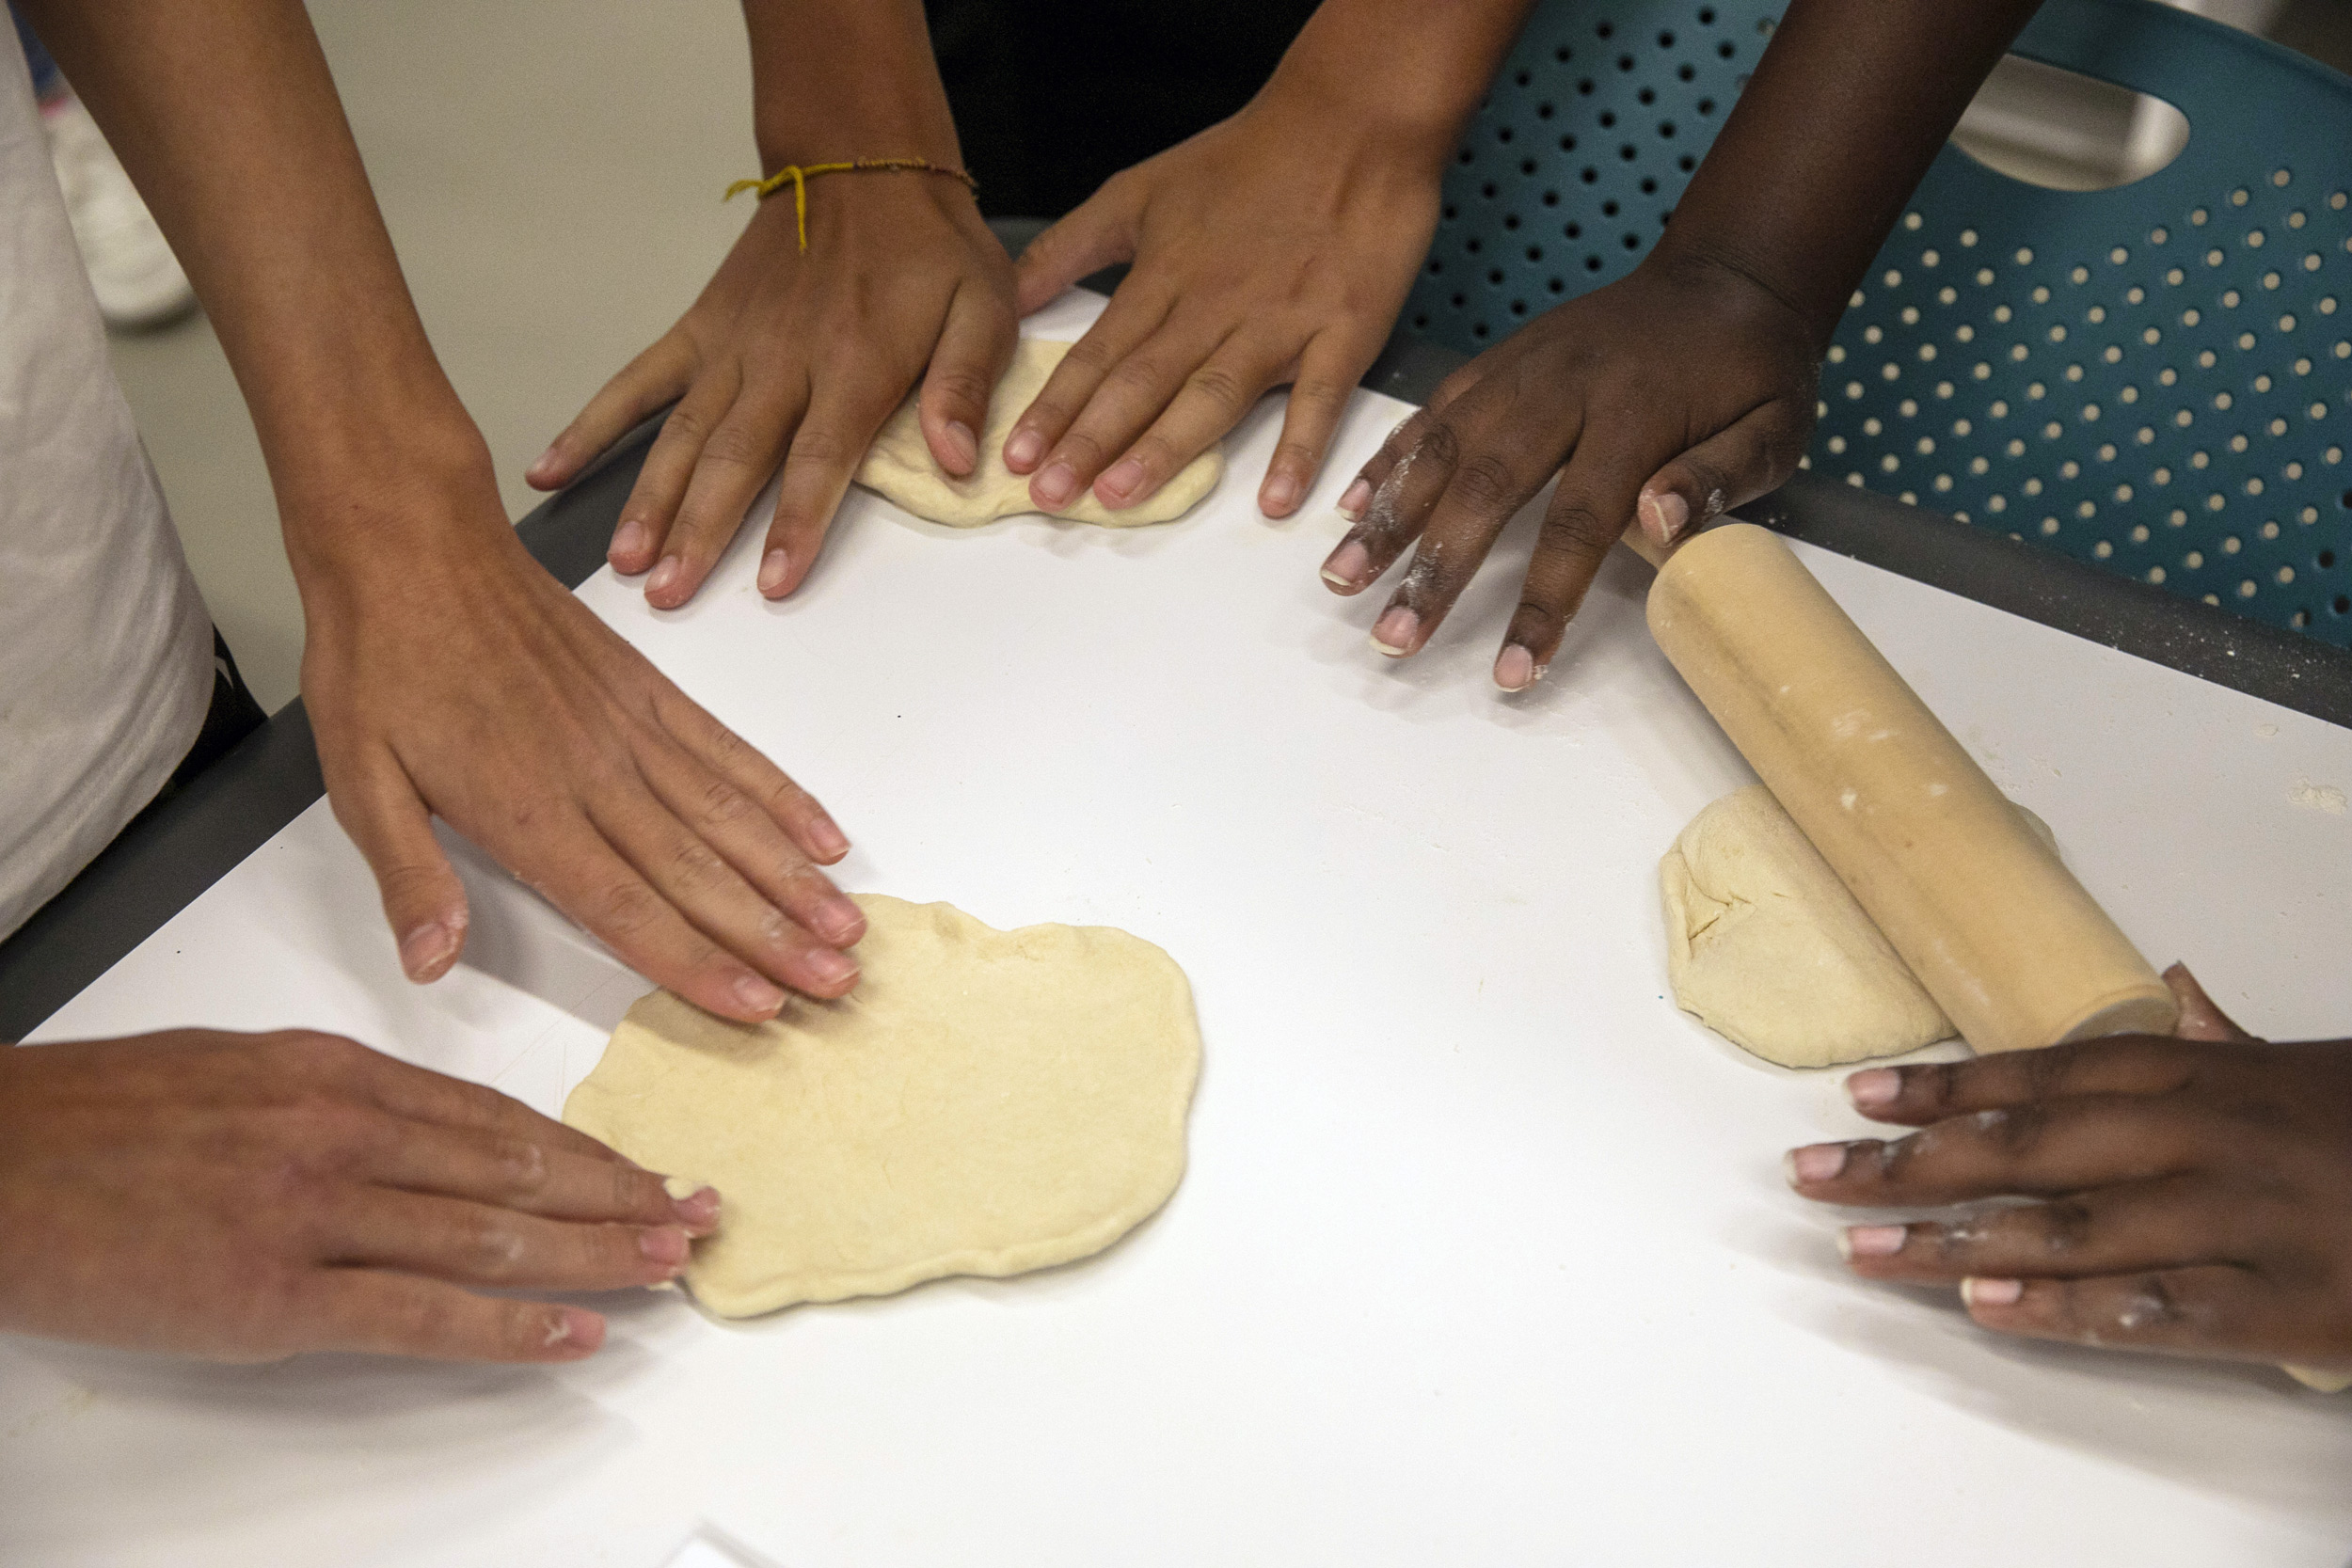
{"points": [[2000, 933]]}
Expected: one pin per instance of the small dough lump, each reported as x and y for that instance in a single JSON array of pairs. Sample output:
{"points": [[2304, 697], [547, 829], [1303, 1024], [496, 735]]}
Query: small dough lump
{"points": [[1766, 946], [985, 1102], [900, 464]]}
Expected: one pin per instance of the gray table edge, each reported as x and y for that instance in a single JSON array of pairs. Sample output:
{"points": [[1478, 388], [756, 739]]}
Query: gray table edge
{"points": [[161, 864]]}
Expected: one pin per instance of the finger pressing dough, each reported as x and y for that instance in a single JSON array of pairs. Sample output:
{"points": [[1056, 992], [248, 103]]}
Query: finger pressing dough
{"points": [[900, 464], [985, 1102], [1766, 946]]}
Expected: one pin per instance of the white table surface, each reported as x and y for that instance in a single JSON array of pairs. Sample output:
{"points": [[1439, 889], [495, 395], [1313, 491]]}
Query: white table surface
{"points": [[1484, 1255]]}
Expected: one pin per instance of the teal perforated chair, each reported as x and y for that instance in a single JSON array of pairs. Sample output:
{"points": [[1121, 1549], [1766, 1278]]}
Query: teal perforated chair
{"points": [[2156, 378]]}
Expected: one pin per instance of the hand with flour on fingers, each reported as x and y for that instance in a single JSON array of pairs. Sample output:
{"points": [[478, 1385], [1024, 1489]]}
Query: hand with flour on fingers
{"points": [[2193, 1196], [796, 352], [245, 1198], [1274, 248], [1687, 387]]}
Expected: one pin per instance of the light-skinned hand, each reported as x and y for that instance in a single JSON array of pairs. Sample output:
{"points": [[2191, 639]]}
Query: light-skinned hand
{"points": [[796, 358], [244, 1198], [1273, 248], [469, 685]]}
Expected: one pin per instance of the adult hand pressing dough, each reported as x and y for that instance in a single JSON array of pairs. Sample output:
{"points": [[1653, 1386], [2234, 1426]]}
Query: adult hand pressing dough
{"points": [[985, 1102], [901, 467]]}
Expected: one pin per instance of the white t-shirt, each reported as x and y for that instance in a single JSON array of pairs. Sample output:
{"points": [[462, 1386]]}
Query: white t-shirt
{"points": [[106, 648]]}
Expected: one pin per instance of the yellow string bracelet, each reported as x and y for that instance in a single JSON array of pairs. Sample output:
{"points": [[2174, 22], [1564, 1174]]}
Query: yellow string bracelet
{"points": [[799, 175]]}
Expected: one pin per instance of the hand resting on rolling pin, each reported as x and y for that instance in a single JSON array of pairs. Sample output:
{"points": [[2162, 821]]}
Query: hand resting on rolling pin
{"points": [[244, 1198], [2194, 1194]]}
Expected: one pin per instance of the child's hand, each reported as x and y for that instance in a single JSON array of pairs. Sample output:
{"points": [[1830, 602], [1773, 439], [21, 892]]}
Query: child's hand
{"points": [[2195, 1195], [1687, 384], [1275, 248], [797, 357]]}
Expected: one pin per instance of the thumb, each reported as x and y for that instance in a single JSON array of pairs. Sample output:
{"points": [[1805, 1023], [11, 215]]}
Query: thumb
{"points": [[1099, 232], [425, 903], [2200, 1019]]}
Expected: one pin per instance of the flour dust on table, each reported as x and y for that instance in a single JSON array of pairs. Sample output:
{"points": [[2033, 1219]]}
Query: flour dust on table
{"points": [[900, 465], [985, 1102]]}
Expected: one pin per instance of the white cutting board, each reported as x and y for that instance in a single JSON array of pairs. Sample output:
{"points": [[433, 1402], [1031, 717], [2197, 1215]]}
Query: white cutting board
{"points": [[1484, 1255]]}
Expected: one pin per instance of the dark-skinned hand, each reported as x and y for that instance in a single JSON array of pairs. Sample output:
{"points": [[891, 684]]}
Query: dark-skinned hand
{"points": [[2192, 1195], [244, 1198], [1681, 390], [796, 358]]}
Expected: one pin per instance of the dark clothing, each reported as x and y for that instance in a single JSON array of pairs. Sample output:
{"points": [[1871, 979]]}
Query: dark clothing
{"points": [[1053, 97]]}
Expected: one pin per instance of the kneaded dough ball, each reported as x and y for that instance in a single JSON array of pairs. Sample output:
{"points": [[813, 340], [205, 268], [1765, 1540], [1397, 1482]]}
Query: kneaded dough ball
{"points": [[1766, 946], [900, 465]]}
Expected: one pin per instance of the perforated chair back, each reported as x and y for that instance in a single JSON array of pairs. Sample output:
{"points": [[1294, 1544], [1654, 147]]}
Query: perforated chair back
{"points": [[1580, 150], [2156, 378]]}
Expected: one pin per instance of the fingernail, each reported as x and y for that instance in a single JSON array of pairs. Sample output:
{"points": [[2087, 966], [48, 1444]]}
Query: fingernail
{"points": [[830, 841], [425, 950], [1874, 1088], [758, 996], [629, 543], [1872, 1240], [1353, 499], [698, 1210], [575, 1329], [1055, 485], [1393, 632], [1664, 516], [665, 576], [1348, 565], [1121, 481], [1814, 1163], [966, 445], [1991, 1292], [840, 918], [773, 568], [1279, 495], [833, 969], [541, 467], [664, 1243], [1023, 449], [1515, 671]]}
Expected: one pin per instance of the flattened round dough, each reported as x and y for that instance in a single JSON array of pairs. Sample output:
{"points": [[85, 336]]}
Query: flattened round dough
{"points": [[1766, 946], [900, 465], [985, 1102]]}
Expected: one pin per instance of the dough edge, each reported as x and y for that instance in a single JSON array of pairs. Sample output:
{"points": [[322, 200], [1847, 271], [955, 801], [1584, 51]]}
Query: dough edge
{"points": [[777, 1293]]}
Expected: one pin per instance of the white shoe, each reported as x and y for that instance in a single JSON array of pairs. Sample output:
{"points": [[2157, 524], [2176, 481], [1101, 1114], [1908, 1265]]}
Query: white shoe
{"points": [[132, 269]]}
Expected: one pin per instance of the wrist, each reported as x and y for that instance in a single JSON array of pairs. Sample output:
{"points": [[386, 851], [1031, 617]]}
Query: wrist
{"points": [[1689, 258], [1414, 130], [361, 497]]}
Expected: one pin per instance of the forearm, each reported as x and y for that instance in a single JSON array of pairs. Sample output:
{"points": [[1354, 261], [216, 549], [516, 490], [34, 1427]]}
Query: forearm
{"points": [[832, 81], [226, 115], [1846, 110], [1414, 70]]}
